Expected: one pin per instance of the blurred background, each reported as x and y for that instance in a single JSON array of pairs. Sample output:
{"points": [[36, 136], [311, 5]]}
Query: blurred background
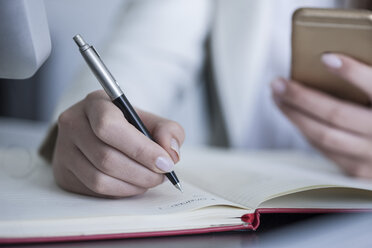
{"points": [[35, 98]]}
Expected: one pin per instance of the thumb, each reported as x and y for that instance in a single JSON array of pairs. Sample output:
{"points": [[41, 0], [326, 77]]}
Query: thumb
{"points": [[168, 134], [353, 71]]}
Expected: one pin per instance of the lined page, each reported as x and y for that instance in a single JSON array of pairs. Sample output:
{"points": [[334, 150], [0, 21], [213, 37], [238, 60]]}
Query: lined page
{"points": [[28, 191], [252, 178]]}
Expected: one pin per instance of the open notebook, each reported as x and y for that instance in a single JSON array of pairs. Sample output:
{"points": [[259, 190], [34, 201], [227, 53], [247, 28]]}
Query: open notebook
{"points": [[223, 190]]}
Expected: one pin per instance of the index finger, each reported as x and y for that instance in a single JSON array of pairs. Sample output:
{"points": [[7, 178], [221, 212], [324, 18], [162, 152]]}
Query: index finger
{"points": [[109, 125], [353, 71]]}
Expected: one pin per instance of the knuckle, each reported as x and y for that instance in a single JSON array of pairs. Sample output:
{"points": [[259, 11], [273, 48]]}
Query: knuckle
{"points": [[106, 160], [99, 185], [93, 96], [334, 115], [102, 127], [65, 120]]}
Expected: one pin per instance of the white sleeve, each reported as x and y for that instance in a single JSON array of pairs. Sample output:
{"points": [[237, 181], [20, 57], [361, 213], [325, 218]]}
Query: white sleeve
{"points": [[155, 53]]}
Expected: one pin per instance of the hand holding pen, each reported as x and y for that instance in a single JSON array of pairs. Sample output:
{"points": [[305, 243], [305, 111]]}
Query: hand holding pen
{"points": [[98, 152]]}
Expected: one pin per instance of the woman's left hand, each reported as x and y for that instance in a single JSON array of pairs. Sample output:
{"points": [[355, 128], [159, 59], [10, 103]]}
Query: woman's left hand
{"points": [[341, 130]]}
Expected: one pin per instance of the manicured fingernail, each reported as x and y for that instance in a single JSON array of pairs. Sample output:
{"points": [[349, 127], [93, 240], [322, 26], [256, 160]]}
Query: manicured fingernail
{"points": [[165, 164], [175, 147], [332, 61], [278, 86]]}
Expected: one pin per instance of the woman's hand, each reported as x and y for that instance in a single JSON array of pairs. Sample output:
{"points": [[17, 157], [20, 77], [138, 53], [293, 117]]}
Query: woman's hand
{"points": [[340, 129], [99, 153]]}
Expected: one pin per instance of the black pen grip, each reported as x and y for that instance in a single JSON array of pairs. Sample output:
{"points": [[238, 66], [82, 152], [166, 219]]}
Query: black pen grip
{"points": [[130, 114], [132, 117]]}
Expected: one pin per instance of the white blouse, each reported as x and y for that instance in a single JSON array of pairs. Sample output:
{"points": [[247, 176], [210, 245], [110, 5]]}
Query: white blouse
{"points": [[267, 127], [156, 53]]}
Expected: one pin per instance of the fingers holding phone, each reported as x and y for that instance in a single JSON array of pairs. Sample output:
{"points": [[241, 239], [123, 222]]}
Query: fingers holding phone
{"points": [[319, 33], [352, 71], [330, 93], [340, 129]]}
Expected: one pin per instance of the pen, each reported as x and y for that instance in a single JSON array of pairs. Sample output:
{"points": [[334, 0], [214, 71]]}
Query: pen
{"points": [[116, 95]]}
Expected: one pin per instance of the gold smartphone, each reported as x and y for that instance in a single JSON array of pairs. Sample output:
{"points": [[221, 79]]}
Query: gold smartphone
{"points": [[319, 31]]}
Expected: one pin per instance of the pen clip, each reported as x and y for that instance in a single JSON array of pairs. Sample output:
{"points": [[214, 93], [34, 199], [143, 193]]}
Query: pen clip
{"points": [[95, 51]]}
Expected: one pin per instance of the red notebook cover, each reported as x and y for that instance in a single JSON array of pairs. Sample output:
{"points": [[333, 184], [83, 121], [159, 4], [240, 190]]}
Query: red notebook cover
{"points": [[252, 222]]}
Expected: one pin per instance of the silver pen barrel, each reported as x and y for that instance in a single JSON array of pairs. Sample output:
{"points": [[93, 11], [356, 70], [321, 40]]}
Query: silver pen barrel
{"points": [[99, 69]]}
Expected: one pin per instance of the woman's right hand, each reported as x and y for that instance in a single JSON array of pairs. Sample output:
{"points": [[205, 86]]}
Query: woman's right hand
{"points": [[98, 152]]}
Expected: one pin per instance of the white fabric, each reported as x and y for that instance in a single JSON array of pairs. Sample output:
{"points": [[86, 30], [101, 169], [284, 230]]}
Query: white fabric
{"points": [[157, 53], [261, 52]]}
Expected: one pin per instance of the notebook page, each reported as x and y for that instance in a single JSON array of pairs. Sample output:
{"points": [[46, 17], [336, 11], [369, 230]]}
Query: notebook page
{"points": [[331, 198], [252, 178], [28, 192]]}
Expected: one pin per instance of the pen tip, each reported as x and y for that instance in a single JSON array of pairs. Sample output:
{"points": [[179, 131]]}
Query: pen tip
{"points": [[178, 186]]}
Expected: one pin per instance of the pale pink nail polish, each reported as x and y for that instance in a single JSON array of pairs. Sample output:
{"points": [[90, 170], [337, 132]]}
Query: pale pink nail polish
{"points": [[332, 61], [164, 164]]}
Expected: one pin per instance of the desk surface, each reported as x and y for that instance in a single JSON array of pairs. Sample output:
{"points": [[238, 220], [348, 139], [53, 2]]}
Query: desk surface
{"points": [[281, 230], [21, 133]]}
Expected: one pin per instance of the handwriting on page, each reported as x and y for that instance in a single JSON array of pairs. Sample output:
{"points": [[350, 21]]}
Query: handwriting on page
{"points": [[195, 199], [166, 199]]}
